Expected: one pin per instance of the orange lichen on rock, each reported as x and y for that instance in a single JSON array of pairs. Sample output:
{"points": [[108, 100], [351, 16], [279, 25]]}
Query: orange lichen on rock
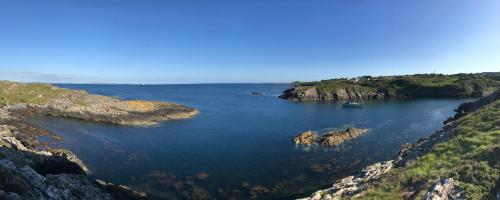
{"points": [[143, 106]]}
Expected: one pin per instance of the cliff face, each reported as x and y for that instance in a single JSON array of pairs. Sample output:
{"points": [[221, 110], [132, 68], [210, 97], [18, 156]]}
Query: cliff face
{"points": [[34, 171], [312, 93]]}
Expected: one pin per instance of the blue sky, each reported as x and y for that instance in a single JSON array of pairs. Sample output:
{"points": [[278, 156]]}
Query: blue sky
{"points": [[170, 41]]}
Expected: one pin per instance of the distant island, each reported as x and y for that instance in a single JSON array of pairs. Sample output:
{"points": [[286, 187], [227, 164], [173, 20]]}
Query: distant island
{"points": [[405, 86]]}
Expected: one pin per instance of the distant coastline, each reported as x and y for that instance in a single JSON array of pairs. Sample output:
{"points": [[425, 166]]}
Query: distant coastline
{"points": [[386, 87]]}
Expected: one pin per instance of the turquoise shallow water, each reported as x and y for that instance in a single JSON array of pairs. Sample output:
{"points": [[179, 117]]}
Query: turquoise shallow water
{"points": [[239, 146]]}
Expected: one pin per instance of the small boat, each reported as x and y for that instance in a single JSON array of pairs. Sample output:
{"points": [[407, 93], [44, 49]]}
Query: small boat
{"points": [[256, 93], [352, 105]]}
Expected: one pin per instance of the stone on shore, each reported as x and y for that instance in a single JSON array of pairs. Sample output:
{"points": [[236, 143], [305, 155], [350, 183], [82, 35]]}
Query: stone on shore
{"points": [[444, 189]]}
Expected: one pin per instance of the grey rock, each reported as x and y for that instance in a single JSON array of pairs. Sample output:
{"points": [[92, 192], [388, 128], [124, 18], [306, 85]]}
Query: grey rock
{"points": [[445, 189]]}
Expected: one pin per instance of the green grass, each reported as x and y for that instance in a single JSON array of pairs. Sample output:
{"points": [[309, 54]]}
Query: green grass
{"points": [[11, 93], [470, 157], [461, 85]]}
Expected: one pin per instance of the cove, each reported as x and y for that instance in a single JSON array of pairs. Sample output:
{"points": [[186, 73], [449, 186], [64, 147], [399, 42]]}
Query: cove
{"points": [[239, 146]]}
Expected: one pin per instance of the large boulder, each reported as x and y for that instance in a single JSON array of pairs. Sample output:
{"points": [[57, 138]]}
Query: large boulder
{"points": [[336, 138], [307, 138], [331, 138], [444, 189]]}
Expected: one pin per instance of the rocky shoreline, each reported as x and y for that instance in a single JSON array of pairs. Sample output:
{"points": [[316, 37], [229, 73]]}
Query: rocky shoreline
{"points": [[30, 169], [444, 188]]}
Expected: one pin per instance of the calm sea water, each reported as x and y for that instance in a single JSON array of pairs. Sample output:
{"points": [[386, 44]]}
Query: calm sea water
{"points": [[239, 146]]}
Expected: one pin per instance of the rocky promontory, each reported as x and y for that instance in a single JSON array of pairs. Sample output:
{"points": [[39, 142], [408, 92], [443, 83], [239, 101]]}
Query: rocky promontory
{"points": [[386, 87], [32, 170], [331, 138], [23, 99]]}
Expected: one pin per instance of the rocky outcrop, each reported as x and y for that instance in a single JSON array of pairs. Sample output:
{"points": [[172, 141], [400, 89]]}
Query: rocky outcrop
{"points": [[307, 138], [121, 192], [29, 170], [444, 189], [352, 186], [23, 182], [336, 138], [332, 138], [312, 93], [108, 110], [22, 99]]}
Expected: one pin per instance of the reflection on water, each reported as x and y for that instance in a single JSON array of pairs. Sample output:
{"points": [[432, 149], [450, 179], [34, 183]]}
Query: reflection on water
{"points": [[240, 145]]}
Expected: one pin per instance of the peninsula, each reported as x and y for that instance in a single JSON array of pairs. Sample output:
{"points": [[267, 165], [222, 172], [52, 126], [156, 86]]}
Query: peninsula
{"points": [[386, 87], [30, 169], [37, 98]]}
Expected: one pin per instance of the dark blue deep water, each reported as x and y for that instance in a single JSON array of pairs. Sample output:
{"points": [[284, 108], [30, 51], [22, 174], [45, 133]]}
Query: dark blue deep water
{"points": [[239, 146]]}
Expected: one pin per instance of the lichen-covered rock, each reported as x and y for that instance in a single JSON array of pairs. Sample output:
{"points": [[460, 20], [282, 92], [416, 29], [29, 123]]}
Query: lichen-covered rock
{"points": [[331, 138], [54, 101], [307, 138], [445, 189], [336, 138]]}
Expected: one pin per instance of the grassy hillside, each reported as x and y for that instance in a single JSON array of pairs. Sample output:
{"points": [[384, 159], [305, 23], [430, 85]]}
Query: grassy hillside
{"points": [[436, 85], [471, 157], [35, 93]]}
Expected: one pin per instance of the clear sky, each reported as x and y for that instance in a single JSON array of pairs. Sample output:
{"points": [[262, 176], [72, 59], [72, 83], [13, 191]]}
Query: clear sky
{"points": [[217, 41]]}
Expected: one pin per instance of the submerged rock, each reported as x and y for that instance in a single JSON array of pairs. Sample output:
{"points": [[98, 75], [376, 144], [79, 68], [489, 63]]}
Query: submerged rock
{"points": [[121, 192], [202, 176]]}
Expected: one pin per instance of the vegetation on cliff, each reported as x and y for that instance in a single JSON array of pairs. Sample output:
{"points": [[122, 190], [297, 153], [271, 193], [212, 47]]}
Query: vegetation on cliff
{"points": [[471, 157], [459, 161], [418, 85]]}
